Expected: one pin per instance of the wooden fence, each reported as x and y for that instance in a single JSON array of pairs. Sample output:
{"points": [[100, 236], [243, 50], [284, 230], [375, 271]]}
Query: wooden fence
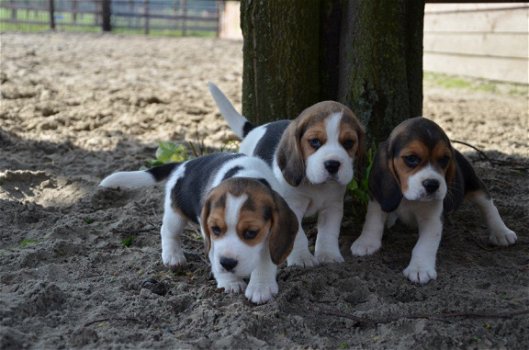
{"points": [[176, 17], [488, 41]]}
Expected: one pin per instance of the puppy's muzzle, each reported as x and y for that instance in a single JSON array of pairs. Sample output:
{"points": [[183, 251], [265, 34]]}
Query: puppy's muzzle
{"points": [[332, 166], [228, 263], [431, 185]]}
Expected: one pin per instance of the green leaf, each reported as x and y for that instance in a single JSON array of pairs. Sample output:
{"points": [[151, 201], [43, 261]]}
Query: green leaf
{"points": [[170, 152], [27, 242], [353, 185]]}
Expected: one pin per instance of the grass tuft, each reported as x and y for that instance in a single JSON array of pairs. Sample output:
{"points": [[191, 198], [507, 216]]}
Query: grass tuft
{"points": [[447, 81]]}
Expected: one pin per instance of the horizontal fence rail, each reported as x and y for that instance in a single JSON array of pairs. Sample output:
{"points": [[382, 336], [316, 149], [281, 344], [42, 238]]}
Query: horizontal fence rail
{"points": [[164, 17]]}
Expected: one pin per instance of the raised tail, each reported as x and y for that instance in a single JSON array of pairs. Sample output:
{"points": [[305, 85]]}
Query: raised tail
{"points": [[137, 179], [237, 122]]}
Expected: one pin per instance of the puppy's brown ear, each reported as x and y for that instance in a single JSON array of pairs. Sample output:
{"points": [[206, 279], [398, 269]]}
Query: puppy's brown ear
{"points": [[456, 182], [283, 232], [289, 157], [361, 134], [383, 184], [450, 174], [206, 208], [360, 162]]}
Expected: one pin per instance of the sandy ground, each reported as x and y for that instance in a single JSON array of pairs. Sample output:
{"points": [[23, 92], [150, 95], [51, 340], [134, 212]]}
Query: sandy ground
{"points": [[75, 108]]}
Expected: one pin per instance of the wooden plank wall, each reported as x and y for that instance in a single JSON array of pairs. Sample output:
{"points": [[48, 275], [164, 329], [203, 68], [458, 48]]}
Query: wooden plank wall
{"points": [[487, 41]]}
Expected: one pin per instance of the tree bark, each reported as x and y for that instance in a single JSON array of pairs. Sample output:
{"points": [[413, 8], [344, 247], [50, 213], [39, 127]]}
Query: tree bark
{"points": [[281, 57], [366, 54], [381, 63]]}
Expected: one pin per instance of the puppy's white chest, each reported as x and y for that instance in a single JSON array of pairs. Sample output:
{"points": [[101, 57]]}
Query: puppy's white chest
{"points": [[321, 196], [411, 212], [406, 212]]}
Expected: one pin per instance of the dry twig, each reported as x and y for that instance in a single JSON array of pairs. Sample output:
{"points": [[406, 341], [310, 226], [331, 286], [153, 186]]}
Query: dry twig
{"points": [[444, 316]]}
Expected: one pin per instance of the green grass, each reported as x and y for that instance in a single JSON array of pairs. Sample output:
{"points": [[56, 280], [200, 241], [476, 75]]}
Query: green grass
{"points": [[65, 23], [128, 241], [88, 220], [360, 189], [474, 84]]}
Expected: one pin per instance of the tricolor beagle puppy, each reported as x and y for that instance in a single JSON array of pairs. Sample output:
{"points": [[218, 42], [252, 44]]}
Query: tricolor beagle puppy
{"points": [[313, 158], [416, 177], [248, 229]]}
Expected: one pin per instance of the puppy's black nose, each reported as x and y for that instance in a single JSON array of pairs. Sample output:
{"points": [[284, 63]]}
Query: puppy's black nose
{"points": [[228, 263], [332, 166], [430, 185]]}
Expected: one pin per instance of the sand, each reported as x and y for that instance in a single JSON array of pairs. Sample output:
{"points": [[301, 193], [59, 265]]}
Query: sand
{"points": [[81, 267]]}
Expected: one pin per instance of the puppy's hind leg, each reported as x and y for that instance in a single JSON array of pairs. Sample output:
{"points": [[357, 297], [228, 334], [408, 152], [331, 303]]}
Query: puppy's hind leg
{"points": [[499, 233], [300, 254], [172, 226]]}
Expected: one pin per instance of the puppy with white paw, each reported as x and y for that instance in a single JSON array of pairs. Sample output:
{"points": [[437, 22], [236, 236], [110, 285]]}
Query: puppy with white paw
{"points": [[313, 159], [248, 228], [417, 177]]}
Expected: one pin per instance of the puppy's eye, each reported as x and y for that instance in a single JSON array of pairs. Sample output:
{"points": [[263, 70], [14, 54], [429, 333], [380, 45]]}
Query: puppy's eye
{"points": [[412, 160], [348, 144], [250, 234], [216, 230], [443, 162], [315, 143]]}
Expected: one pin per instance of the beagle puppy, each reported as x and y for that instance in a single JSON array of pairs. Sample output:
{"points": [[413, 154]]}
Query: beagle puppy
{"points": [[248, 228], [313, 159], [416, 177]]}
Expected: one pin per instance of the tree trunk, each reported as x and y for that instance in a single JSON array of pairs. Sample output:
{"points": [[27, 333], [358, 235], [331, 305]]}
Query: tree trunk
{"points": [[366, 54], [381, 62], [281, 57]]}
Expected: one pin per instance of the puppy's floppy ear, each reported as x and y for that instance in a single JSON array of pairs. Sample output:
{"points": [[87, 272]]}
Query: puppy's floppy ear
{"points": [[450, 174], [361, 134], [206, 208], [289, 157], [383, 183], [360, 156], [457, 182], [283, 231]]}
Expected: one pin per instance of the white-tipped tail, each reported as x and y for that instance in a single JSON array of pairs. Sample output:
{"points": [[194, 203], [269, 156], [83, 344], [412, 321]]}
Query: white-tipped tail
{"points": [[128, 180], [235, 120]]}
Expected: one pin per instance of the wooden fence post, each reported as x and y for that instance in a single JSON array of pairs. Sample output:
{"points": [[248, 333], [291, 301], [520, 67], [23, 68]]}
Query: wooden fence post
{"points": [[218, 11], [13, 10], [184, 19], [106, 24], [146, 15], [75, 7], [52, 14], [131, 10]]}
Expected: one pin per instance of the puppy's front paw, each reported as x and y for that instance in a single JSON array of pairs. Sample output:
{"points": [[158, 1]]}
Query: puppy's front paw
{"points": [[173, 259], [420, 273], [365, 246], [302, 258], [233, 286], [329, 256], [502, 237], [260, 292]]}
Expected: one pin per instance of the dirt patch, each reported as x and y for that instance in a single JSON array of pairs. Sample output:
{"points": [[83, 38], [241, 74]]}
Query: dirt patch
{"points": [[80, 267]]}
